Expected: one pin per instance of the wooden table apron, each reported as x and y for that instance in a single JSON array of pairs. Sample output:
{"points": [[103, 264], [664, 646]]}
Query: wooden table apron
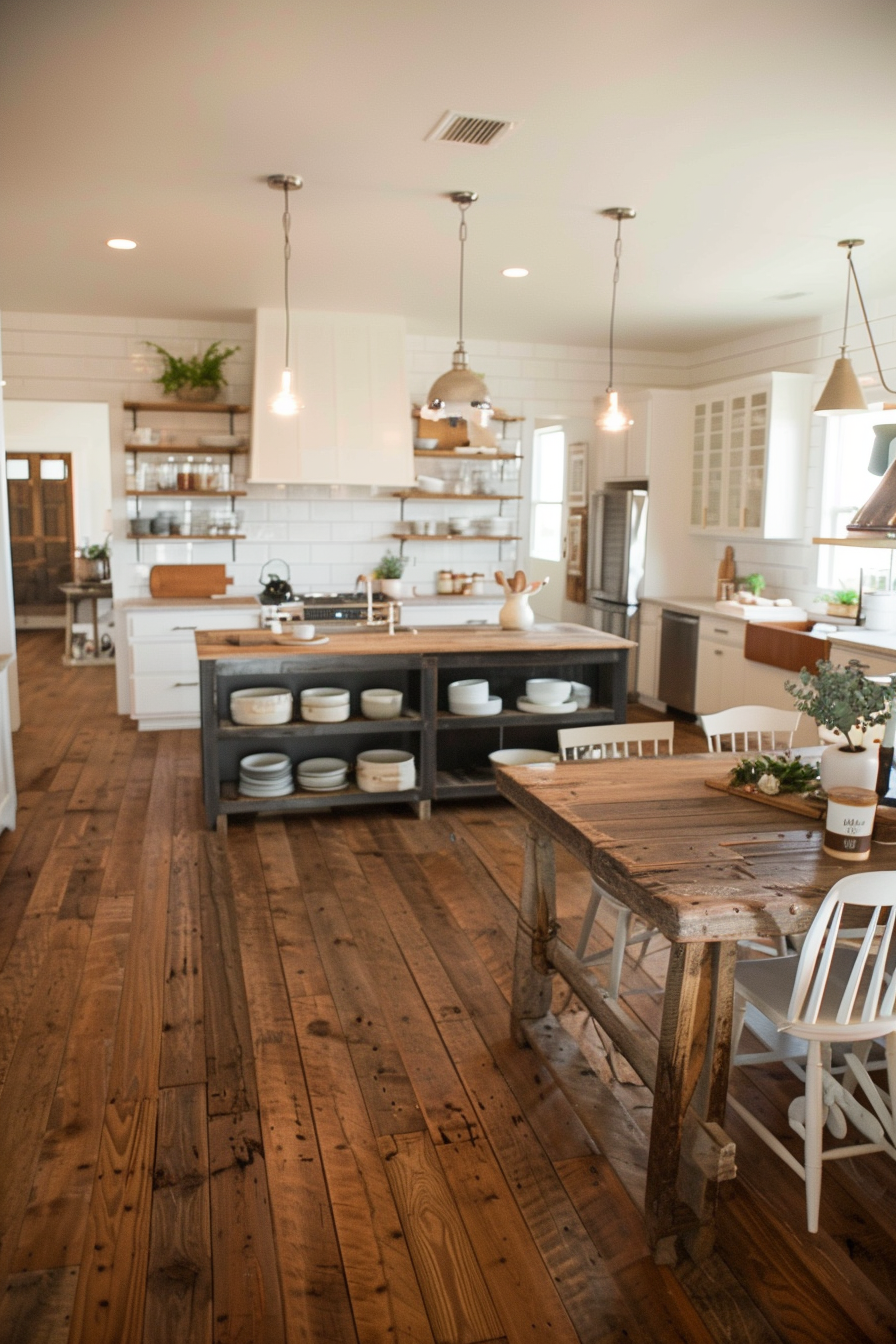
{"points": [[705, 868]]}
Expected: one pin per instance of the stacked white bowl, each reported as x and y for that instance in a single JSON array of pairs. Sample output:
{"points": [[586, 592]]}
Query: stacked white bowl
{"points": [[261, 705], [265, 774], [385, 771], [322, 774], [471, 697], [547, 695], [522, 756], [325, 704], [381, 704]]}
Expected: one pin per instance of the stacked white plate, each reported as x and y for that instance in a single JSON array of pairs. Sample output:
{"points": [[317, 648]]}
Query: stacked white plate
{"points": [[322, 774], [532, 707], [522, 756], [385, 771], [325, 704], [261, 705], [266, 774], [547, 695], [471, 697]]}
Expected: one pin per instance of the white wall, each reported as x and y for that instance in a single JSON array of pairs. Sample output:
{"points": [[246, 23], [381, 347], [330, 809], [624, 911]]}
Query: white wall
{"points": [[7, 614], [77, 427]]}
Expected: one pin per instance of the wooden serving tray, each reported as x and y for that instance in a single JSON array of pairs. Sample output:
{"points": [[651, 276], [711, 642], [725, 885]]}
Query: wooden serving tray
{"points": [[804, 805]]}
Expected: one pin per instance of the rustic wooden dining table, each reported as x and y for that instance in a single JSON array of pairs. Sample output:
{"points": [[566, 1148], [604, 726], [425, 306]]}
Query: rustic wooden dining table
{"points": [[706, 869]]}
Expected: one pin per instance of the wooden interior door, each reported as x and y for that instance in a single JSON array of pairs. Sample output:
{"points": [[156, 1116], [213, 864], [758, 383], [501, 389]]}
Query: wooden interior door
{"points": [[41, 528]]}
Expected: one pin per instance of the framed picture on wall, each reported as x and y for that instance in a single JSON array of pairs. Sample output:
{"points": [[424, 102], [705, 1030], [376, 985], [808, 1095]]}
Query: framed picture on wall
{"points": [[576, 541], [577, 476]]}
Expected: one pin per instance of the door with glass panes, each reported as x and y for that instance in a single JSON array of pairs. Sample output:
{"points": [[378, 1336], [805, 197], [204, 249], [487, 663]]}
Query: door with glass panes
{"points": [[729, 462], [41, 530]]}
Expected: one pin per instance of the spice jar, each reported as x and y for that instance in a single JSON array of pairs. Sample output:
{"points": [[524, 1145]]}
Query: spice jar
{"points": [[460, 582], [444, 582], [477, 587]]}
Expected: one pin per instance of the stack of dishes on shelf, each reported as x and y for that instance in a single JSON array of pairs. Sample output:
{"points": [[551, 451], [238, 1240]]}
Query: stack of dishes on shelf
{"points": [[381, 704], [386, 771], [325, 704], [495, 526], [471, 697], [322, 774], [581, 694], [266, 774], [522, 756], [547, 695], [257, 706]]}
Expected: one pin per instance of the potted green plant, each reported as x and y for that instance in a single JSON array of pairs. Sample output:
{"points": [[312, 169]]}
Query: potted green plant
{"points": [[754, 583], [199, 378], [844, 700], [389, 572], [91, 563], [844, 602]]}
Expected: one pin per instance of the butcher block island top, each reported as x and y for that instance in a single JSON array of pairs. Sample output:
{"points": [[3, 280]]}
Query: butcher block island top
{"points": [[450, 751], [372, 642]]}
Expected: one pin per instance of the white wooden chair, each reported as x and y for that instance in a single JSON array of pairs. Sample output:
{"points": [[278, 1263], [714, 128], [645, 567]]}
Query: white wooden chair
{"points": [[827, 995], [613, 741], [751, 728]]}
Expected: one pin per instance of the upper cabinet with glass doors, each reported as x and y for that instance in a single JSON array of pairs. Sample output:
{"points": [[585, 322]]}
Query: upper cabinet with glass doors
{"points": [[749, 457]]}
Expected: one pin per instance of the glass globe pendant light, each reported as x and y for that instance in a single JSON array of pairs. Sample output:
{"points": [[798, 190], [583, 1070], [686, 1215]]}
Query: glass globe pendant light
{"points": [[459, 394], [614, 417], [284, 402]]}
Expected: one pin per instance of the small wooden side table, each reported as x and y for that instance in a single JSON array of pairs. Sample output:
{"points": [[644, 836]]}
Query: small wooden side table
{"points": [[75, 593]]}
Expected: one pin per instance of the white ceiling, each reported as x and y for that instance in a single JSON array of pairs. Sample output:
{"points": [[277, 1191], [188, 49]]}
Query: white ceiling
{"points": [[749, 134]]}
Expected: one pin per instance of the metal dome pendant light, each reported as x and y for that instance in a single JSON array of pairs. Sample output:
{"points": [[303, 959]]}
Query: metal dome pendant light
{"points": [[285, 402], [459, 394], [614, 417]]}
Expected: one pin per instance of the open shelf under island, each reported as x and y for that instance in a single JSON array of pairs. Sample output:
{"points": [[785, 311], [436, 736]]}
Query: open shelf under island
{"points": [[452, 761]]}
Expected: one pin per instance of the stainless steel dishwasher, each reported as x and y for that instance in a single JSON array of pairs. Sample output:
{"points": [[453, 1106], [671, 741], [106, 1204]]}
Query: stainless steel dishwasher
{"points": [[678, 660]]}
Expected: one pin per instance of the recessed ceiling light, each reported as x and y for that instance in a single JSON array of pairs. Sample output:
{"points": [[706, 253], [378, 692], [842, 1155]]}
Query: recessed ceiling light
{"points": [[795, 294], [515, 272], [121, 244]]}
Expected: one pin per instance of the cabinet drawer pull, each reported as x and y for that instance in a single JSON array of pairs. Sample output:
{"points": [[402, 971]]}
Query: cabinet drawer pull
{"points": [[185, 627], [186, 683], [717, 631], [718, 652]]}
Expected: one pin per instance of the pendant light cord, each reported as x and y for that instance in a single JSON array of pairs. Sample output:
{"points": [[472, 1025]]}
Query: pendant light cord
{"points": [[617, 253], [854, 277], [287, 253], [463, 207]]}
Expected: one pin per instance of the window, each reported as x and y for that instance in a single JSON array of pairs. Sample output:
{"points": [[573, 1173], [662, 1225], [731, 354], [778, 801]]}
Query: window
{"points": [[17, 469], [548, 471], [53, 469], [847, 484]]}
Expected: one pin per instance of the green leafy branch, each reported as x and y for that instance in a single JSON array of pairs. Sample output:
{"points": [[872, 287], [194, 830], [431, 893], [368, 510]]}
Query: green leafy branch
{"points": [[198, 371], [792, 774], [842, 697]]}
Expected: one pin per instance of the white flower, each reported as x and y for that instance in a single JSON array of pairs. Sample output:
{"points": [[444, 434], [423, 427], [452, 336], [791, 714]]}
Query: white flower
{"points": [[769, 784]]}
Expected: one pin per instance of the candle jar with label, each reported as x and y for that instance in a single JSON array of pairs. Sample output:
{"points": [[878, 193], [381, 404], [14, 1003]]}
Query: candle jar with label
{"points": [[849, 823]]}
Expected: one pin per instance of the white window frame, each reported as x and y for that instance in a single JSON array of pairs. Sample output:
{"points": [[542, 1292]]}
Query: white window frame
{"points": [[839, 566], [540, 438]]}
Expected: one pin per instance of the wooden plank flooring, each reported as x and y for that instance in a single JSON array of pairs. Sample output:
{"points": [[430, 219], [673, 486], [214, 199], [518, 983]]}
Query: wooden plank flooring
{"points": [[263, 1092]]}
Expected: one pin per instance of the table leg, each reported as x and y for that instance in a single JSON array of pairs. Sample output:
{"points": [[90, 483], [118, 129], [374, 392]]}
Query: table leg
{"points": [[536, 925], [96, 626], [69, 624]]}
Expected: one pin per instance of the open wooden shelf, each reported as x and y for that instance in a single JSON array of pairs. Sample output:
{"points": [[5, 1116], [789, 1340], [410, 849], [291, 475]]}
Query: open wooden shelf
{"points": [[873, 541], [232, 801], [446, 536], [197, 407], [183, 494], [467, 457], [409, 722], [500, 417], [157, 537], [518, 718], [434, 497], [173, 449]]}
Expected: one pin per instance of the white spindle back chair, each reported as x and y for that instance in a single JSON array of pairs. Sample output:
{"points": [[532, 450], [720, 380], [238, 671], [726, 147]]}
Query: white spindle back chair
{"points": [[751, 728], [613, 741], [831, 994]]}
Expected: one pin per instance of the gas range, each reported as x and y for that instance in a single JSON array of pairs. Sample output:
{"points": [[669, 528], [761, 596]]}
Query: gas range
{"points": [[323, 607]]}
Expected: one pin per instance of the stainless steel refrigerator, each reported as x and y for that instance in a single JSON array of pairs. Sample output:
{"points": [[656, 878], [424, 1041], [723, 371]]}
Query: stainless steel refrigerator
{"points": [[617, 548]]}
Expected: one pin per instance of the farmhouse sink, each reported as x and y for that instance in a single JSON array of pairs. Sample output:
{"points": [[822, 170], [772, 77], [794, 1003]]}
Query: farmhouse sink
{"points": [[786, 645]]}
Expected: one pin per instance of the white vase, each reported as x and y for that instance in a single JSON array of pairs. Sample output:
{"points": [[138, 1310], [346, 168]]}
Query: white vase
{"points": [[516, 614], [391, 587], [840, 768]]}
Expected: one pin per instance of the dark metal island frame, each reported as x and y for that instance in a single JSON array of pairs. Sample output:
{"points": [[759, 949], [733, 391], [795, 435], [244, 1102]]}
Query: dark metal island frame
{"points": [[452, 751]]}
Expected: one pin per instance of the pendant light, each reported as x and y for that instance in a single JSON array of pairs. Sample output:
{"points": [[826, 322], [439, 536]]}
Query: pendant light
{"points": [[842, 394], [459, 394], [284, 402], [614, 417]]}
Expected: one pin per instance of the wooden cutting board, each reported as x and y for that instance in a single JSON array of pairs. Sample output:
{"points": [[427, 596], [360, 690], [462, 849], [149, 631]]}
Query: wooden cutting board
{"points": [[188, 580], [803, 804]]}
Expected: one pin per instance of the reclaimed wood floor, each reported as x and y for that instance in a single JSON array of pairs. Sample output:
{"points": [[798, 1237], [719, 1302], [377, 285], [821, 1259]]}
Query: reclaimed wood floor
{"points": [[264, 1093]]}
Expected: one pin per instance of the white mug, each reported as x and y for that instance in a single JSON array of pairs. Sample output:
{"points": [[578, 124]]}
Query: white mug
{"points": [[302, 630], [145, 436]]}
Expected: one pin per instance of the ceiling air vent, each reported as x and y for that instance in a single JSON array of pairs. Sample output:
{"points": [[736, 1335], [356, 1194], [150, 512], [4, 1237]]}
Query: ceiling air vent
{"points": [[460, 128]]}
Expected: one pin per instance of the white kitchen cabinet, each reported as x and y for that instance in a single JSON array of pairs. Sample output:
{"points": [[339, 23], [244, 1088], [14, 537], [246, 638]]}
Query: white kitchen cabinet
{"points": [[163, 668], [875, 664], [626, 455], [351, 381], [649, 635], [748, 462], [720, 665]]}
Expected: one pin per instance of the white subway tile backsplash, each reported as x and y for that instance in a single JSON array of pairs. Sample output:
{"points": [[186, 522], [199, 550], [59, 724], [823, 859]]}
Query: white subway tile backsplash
{"points": [[311, 533]]}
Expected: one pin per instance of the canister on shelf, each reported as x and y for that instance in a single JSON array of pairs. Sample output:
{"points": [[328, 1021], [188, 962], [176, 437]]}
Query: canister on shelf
{"points": [[460, 582], [444, 582], [477, 586]]}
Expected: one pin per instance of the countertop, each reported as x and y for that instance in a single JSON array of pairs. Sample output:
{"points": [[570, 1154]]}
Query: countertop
{"points": [[874, 641], [482, 639], [705, 606], [160, 603]]}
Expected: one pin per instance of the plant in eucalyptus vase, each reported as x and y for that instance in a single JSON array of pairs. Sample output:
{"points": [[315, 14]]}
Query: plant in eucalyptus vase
{"points": [[846, 702], [199, 378], [389, 572]]}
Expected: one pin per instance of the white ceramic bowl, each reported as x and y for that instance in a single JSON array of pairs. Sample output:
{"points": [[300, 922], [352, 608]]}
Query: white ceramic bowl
{"points": [[322, 773], [263, 764], [324, 696], [381, 704], [493, 705], [494, 526], [460, 525], [261, 705], [385, 770], [325, 713], [470, 691], [521, 756], [548, 691], [581, 694], [426, 444], [431, 485]]}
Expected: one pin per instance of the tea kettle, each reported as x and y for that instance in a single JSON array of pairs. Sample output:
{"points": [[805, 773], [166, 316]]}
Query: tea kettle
{"points": [[276, 588]]}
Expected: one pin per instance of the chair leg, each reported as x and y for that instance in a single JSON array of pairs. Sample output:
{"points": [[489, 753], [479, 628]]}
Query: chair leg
{"points": [[814, 1127], [737, 1024], [588, 922], [620, 940], [781, 947]]}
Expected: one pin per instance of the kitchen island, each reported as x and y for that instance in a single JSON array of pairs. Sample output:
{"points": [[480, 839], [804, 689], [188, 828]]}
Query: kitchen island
{"points": [[451, 750]]}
